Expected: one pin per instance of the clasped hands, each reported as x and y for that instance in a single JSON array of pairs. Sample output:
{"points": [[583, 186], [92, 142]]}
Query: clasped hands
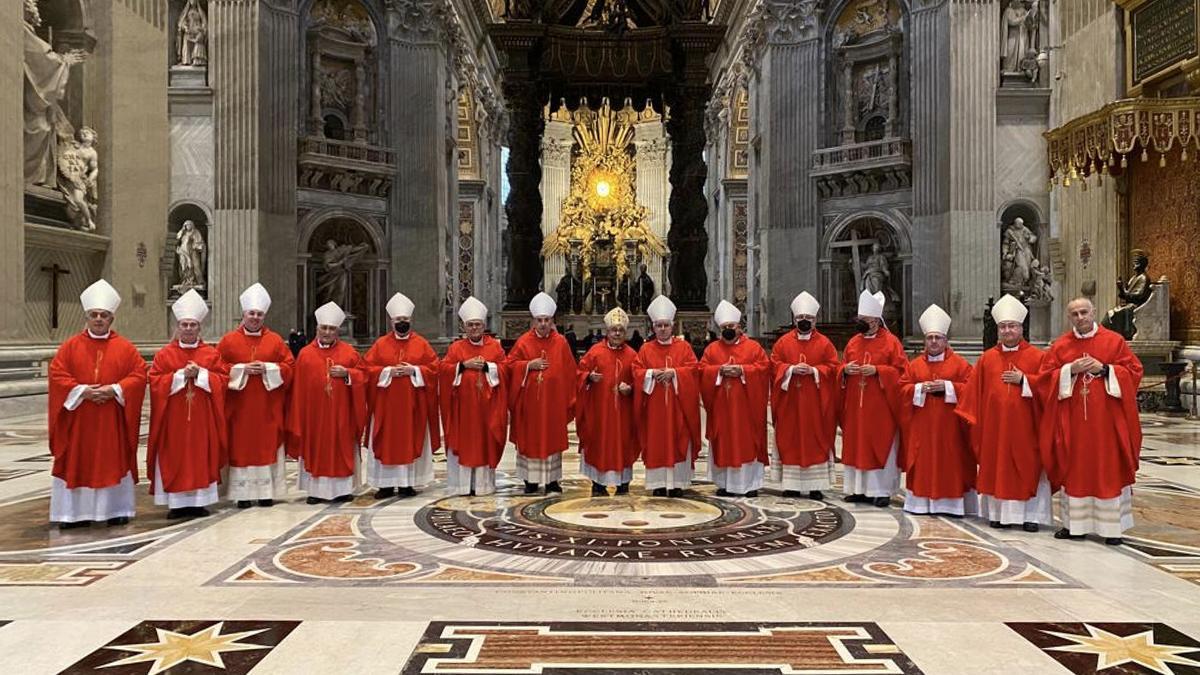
{"points": [[664, 375], [1086, 364], [1012, 376], [853, 368], [97, 393], [730, 370], [475, 363], [405, 369], [802, 369], [538, 364]]}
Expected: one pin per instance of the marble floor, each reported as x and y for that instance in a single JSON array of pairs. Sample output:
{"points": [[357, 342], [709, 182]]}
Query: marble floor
{"points": [[571, 584]]}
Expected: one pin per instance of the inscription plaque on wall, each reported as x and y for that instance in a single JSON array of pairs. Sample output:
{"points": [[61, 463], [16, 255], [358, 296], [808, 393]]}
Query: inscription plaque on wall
{"points": [[1164, 35]]}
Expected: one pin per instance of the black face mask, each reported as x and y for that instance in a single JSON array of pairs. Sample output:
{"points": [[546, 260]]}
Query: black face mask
{"points": [[804, 325], [728, 333], [862, 326], [402, 327]]}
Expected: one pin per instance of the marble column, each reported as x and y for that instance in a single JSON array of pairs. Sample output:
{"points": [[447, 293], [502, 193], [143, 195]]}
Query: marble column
{"points": [[524, 206], [556, 186], [254, 74], [931, 137], [12, 173], [788, 121], [974, 238], [420, 206], [653, 189], [687, 238]]}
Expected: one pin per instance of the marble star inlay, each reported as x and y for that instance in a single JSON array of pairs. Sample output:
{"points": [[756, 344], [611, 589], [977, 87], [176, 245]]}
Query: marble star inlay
{"points": [[1112, 650], [205, 646]]}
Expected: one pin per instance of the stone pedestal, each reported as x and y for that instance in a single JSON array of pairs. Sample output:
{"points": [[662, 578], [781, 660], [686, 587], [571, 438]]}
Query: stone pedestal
{"points": [[189, 77]]}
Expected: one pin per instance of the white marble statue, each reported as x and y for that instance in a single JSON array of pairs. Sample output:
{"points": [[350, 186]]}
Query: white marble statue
{"points": [[1017, 257], [191, 35], [189, 251], [1018, 34], [78, 169], [46, 75]]}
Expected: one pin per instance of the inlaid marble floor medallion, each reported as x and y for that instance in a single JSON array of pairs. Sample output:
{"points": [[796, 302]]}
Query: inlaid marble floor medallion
{"points": [[576, 539]]}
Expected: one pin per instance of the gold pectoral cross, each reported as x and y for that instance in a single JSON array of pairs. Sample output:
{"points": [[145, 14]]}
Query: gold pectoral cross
{"points": [[189, 396], [328, 378]]}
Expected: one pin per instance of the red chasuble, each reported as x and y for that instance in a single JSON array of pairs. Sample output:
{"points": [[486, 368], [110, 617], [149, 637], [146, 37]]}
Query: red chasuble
{"points": [[604, 416], [402, 413], [936, 453], [804, 414], [868, 414], [256, 424], [1091, 441], [475, 414], [187, 428], [1004, 424], [542, 401], [326, 415], [737, 411], [95, 444], [668, 420]]}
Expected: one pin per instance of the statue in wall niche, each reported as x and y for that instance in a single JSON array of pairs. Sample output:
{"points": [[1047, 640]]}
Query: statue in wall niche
{"points": [[78, 170], [192, 35], [189, 252], [1018, 33], [877, 270], [333, 282], [46, 126], [1131, 294], [1016, 257]]}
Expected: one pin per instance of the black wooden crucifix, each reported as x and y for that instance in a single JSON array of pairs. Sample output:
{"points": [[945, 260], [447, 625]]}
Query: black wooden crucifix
{"points": [[55, 272]]}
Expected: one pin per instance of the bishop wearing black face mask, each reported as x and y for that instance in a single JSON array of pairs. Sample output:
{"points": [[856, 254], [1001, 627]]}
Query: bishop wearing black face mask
{"points": [[734, 383], [403, 407], [869, 378], [805, 365]]}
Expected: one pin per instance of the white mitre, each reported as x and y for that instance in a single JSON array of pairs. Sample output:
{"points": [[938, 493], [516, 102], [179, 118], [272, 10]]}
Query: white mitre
{"points": [[806, 304], [1008, 308], [256, 298], [935, 320], [400, 305], [190, 305], [472, 310], [100, 295], [870, 305], [726, 313], [329, 314], [542, 305], [661, 309]]}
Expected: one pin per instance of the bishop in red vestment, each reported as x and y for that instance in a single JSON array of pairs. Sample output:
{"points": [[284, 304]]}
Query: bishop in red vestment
{"points": [[735, 382], [803, 396], [541, 397], [937, 459], [869, 377], [474, 405], [260, 371], [667, 404], [327, 412], [187, 446], [608, 444], [402, 387], [1091, 435], [97, 382], [999, 403]]}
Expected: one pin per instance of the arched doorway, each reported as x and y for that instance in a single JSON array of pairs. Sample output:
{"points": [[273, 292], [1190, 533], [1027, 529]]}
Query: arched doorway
{"points": [[866, 251], [341, 264]]}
